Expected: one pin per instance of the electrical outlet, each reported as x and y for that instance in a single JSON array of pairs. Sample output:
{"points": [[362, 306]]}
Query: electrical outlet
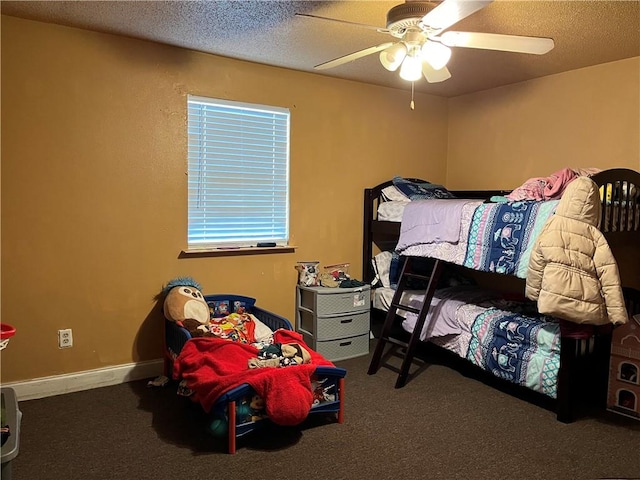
{"points": [[65, 338]]}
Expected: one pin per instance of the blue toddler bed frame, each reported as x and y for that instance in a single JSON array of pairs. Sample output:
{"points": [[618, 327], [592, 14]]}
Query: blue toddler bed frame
{"points": [[225, 407]]}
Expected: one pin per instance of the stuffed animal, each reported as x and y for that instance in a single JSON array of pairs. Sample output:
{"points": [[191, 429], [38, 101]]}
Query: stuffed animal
{"points": [[250, 409], [256, 406], [197, 329], [270, 351], [295, 354], [322, 394], [185, 305], [280, 355], [268, 356]]}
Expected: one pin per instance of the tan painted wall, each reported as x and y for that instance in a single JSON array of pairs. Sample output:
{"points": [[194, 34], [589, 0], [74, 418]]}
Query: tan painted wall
{"points": [[584, 118], [94, 185]]}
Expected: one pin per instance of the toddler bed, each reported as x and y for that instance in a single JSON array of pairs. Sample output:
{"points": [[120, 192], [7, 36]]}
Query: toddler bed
{"points": [[215, 372], [495, 237]]}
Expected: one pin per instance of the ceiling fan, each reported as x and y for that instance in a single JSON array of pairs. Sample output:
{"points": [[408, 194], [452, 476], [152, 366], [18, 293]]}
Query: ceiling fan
{"points": [[424, 47]]}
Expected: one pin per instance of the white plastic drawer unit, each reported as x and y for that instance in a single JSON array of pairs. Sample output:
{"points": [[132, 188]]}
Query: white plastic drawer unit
{"points": [[325, 301], [334, 321]]}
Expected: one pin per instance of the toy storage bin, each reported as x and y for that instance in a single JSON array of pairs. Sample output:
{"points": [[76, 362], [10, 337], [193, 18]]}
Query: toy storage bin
{"points": [[307, 273], [6, 332], [11, 416]]}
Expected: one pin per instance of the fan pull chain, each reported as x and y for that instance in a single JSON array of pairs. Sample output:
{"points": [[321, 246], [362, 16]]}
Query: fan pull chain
{"points": [[412, 105]]}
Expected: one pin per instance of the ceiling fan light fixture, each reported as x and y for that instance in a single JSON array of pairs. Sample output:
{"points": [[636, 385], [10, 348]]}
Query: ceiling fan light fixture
{"points": [[392, 57], [411, 69], [423, 46], [436, 54]]}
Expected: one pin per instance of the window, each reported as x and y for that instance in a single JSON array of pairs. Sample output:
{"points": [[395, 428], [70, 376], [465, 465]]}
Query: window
{"points": [[238, 175]]}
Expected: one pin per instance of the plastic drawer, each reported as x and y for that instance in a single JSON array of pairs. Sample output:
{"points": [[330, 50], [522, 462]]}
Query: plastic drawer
{"points": [[334, 326], [335, 300], [340, 349]]}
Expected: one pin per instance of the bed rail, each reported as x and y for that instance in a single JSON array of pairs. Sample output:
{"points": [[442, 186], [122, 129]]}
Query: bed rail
{"points": [[620, 200]]}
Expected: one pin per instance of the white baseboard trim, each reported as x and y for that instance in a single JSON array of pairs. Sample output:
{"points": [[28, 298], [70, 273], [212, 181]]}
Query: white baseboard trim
{"points": [[88, 379]]}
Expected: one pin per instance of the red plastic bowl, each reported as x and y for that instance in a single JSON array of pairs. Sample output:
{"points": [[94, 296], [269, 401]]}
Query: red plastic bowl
{"points": [[6, 331]]}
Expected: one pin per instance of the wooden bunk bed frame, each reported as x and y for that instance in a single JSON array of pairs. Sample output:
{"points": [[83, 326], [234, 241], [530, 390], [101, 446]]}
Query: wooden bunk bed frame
{"points": [[579, 358]]}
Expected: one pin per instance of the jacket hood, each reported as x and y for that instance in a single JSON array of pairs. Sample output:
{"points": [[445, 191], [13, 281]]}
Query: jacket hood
{"points": [[581, 201]]}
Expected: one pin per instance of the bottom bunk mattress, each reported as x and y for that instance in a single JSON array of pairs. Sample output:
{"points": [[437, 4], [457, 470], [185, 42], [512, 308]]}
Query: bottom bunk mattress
{"points": [[509, 339], [382, 297]]}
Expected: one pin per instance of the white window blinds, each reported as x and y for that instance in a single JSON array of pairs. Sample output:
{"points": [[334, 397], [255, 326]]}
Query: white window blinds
{"points": [[238, 173]]}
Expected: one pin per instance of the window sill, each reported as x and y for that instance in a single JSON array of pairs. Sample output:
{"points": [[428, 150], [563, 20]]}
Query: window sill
{"points": [[235, 251]]}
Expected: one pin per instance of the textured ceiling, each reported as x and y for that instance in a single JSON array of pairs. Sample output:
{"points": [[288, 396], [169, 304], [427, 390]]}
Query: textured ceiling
{"points": [[585, 33]]}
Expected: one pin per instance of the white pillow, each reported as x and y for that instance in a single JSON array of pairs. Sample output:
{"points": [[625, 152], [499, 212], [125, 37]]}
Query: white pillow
{"points": [[391, 193], [262, 332], [382, 266]]}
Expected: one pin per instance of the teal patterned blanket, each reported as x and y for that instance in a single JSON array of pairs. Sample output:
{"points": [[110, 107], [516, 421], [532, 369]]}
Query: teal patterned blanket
{"points": [[519, 345], [494, 237], [501, 235], [520, 348]]}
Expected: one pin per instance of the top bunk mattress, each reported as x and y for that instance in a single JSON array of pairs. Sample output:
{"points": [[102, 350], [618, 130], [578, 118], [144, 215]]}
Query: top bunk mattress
{"points": [[492, 237]]}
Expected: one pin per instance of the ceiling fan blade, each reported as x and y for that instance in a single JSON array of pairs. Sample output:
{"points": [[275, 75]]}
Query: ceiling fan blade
{"points": [[450, 12], [494, 41], [355, 24], [435, 76], [353, 56]]}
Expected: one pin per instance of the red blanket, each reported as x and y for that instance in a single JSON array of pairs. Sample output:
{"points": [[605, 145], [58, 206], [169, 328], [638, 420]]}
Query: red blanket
{"points": [[213, 366]]}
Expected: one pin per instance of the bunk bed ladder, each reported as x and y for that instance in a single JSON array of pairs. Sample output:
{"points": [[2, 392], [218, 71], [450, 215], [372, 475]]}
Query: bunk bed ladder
{"points": [[409, 347]]}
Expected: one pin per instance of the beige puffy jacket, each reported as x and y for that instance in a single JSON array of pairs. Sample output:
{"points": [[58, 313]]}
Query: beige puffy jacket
{"points": [[572, 272]]}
